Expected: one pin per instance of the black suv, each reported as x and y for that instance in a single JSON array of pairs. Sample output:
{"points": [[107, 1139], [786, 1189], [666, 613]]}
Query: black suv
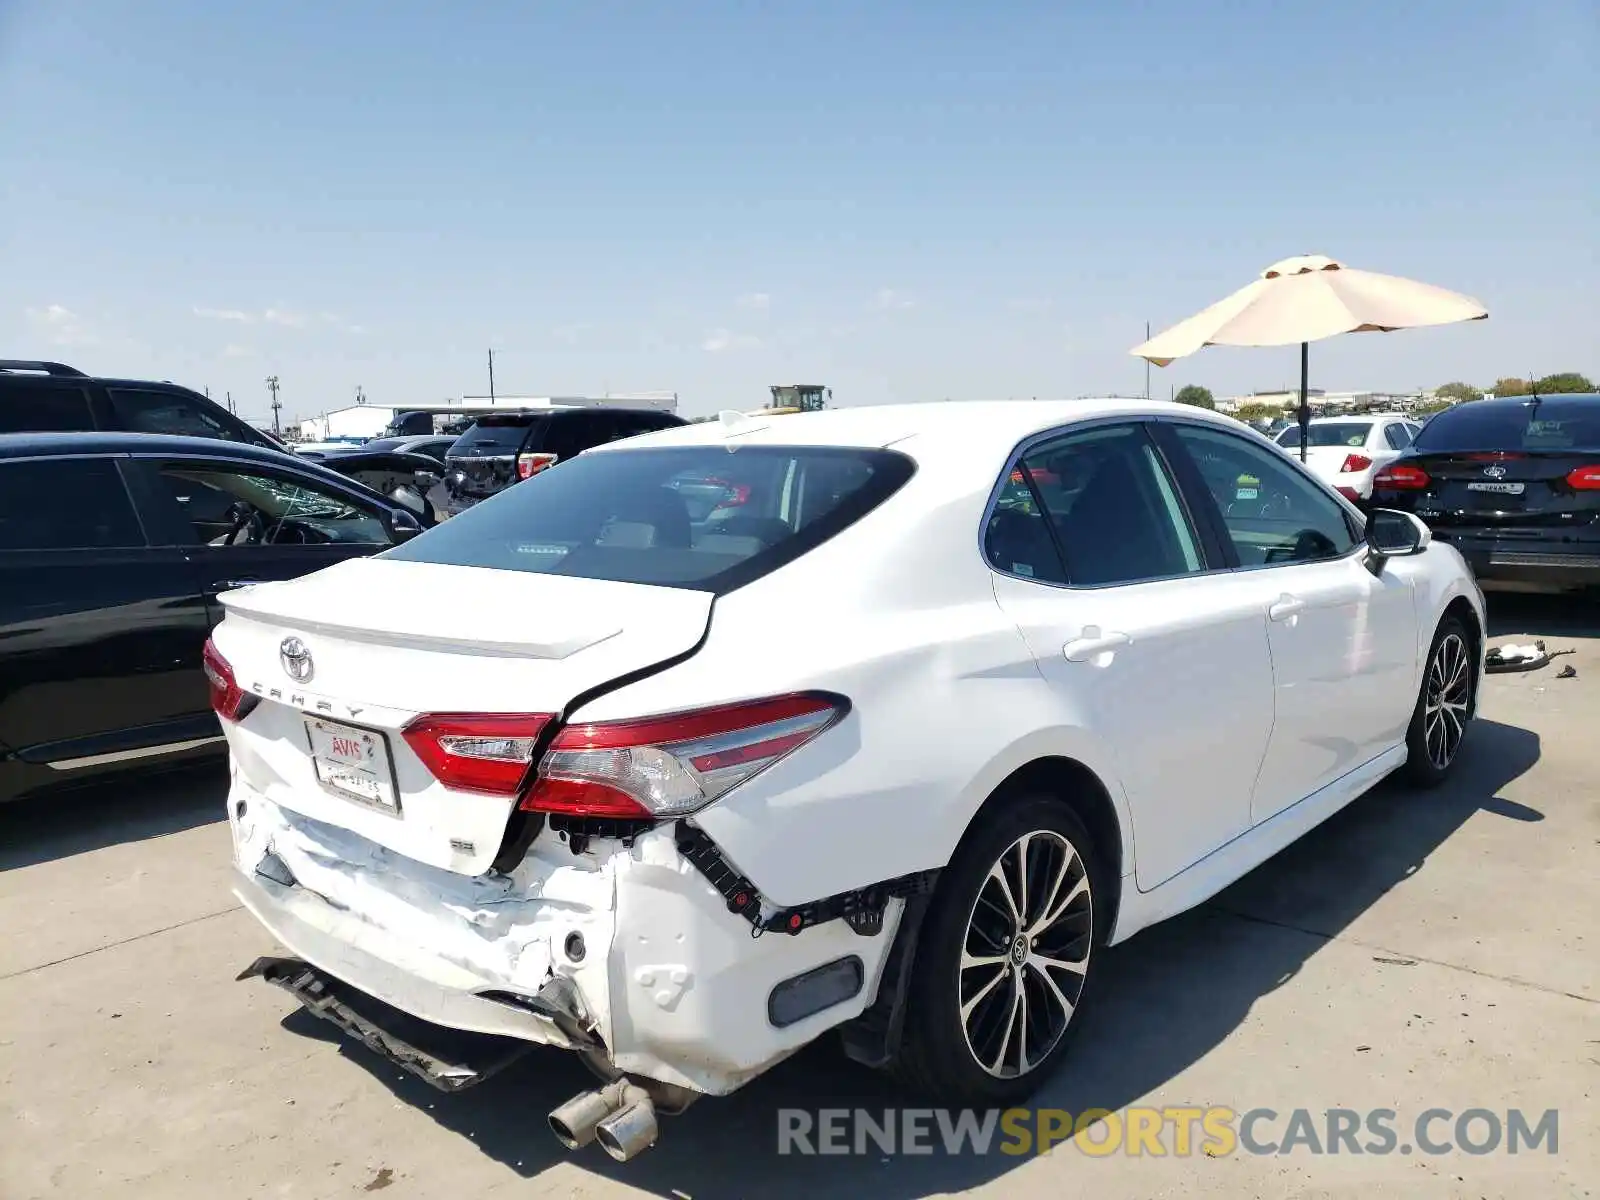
{"points": [[51, 397], [504, 448]]}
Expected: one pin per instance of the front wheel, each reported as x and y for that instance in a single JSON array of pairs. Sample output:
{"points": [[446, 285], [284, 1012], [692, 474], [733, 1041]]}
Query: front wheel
{"points": [[1005, 961], [1444, 706]]}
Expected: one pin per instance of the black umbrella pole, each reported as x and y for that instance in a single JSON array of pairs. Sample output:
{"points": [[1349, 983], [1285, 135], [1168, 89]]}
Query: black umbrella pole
{"points": [[1305, 406]]}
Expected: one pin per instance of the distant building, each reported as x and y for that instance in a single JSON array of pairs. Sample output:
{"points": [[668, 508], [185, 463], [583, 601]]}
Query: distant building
{"points": [[370, 420]]}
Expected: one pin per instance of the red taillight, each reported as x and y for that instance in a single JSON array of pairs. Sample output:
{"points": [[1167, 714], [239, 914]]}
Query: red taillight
{"points": [[1494, 455], [477, 752], [1401, 477], [1584, 479], [738, 494], [1355, 462], [228, 700], [529, 465], [669, 766]]}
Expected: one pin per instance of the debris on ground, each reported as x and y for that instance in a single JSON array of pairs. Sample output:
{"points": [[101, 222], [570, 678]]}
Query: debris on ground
{"points": [[1567, 672], [1512, 657]]}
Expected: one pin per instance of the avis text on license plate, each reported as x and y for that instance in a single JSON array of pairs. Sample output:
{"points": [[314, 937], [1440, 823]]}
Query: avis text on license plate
{"points": [[353, 762]]}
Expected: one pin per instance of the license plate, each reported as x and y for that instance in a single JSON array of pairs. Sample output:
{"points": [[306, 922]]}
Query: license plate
{"points": [[353, 762], [1505, 489]]}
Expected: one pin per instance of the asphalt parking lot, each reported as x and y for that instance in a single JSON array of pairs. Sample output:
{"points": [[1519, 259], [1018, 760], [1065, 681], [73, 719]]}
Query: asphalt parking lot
{"points": [[1416, 952]]}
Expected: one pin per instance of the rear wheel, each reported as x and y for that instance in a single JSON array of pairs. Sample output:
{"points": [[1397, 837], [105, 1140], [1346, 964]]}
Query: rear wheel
{"points": [[1444, 706], [1006, 958]]}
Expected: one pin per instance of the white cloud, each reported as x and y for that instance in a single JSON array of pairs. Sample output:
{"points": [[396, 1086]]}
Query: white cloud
{"points": [[719, 340], [224, 314], [759, 301], [889, 298], [60, 325], [279, 316]]}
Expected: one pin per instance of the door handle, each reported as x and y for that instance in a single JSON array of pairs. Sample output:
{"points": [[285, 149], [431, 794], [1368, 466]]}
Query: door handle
{"points": [[1285, 607], [1093, 643]]}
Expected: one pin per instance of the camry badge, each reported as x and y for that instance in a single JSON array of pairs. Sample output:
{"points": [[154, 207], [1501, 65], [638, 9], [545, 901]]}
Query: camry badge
{"points": [[296, 659]]}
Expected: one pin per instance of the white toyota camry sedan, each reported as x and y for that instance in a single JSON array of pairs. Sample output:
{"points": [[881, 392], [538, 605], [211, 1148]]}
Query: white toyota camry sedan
{"points": [[708, 742]]}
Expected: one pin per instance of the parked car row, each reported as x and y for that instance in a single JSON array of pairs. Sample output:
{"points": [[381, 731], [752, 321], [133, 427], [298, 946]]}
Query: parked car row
{"points": [[126, 507]]}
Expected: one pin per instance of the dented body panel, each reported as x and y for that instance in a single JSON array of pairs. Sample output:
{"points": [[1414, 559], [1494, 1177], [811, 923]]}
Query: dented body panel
{"points": [[677, 996]]}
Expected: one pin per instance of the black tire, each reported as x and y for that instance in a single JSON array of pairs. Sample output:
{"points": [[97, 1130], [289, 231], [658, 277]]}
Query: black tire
{"points": [[939, 1057], [1445, 702]]}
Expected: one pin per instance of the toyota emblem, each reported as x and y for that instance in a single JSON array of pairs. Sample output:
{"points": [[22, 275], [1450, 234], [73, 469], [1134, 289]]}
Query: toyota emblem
{"points": [[1495, 472], [296, 659]]}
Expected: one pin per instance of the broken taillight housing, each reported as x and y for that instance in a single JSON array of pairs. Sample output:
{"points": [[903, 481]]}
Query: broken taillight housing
{"points": [[669, 766], [477, 752], [228, 700]]}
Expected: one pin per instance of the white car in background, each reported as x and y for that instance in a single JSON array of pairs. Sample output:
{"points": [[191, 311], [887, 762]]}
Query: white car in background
{"points": [[1347, 452], [1047, 673]]}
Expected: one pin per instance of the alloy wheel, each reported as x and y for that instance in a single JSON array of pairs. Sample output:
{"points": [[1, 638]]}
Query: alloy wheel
{"points": [[1025, 955], [1446, 696]]}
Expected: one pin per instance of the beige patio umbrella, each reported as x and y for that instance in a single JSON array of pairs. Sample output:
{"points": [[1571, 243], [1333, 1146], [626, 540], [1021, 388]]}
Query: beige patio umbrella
{"points": [[1305, 299]]}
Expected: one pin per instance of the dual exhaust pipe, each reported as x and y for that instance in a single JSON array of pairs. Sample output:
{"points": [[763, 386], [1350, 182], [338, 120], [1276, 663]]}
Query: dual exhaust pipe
{"points": [[621, 1116]]}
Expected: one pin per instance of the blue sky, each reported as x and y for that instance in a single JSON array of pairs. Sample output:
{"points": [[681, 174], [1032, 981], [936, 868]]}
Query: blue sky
{"points": [[902, 200]]}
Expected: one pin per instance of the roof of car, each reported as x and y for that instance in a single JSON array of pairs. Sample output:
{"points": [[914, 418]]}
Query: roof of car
{"points": [[34, 445], [989, 424]]}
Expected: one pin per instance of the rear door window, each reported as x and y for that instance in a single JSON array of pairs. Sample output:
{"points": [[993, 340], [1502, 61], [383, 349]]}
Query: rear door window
{"points": [[148, 411], [35, 406], [700, 517], [66, 504], [1107, 504]]}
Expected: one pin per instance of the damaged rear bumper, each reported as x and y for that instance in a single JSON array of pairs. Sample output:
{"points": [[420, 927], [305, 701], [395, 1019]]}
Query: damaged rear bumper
{"points": [[625, 954], [449, 1063]]}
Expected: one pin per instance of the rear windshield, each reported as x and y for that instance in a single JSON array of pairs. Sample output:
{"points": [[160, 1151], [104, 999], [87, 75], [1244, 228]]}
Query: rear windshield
{"points": [[1334, 433], [1555, 424], [495, 435], [705, 518]]}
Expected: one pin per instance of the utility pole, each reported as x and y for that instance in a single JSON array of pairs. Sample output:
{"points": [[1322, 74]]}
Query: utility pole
{"points": [[491, 377], [1147, 363], [361, 397], [231, 408], [272, 386]]}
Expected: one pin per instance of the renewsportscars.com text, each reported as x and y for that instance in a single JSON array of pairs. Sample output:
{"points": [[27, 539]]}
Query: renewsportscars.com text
{"points": [[1169, 1131]]}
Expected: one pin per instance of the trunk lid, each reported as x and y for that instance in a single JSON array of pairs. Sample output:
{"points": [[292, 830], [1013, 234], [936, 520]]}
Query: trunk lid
{"points": [[1325, 461], [1505, 490], [390, 640]]}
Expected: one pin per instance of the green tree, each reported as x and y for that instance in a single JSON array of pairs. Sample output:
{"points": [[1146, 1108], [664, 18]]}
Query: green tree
{"points": [[1198, 396], [1458, 392], [1260, 412], [1565, 381], [1510, 386]]}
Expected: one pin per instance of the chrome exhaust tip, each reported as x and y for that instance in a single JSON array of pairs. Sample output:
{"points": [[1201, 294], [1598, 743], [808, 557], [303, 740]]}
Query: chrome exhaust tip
{"points": [[575, 1122], [630, 1130]]}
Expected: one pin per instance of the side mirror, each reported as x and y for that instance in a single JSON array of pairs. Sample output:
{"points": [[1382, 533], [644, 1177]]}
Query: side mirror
{"points": [[402, 525], [1394, 534]]}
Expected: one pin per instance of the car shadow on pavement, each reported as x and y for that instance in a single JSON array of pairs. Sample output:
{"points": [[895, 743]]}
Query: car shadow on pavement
{"points": [[1167, 998], [59, 824]]}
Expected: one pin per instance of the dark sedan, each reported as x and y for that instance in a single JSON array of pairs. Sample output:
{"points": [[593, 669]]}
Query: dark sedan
{"points": [[1513, 484], [113, 550]]}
